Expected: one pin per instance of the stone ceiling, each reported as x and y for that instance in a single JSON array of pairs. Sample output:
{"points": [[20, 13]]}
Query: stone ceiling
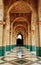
{"points": [[20, 6], [8, 3], [20, 17]]}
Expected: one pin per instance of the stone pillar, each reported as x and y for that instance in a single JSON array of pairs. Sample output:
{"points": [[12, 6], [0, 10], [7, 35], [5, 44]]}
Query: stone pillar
{"points": [[1, 28], [26, 45], [40, 36], [37, 40], [33, 45], [11, 44], [6, 38], [7, 33], [33, 38], [1, 40], [29, 39], [38, 48], [38, 31], [13, 39]]}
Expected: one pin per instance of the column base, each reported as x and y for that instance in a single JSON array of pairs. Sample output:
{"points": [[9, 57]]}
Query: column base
{"points": [[32, 48], [13, 46], [27, 46], [9, 47], [2, 51], [38, 51]]}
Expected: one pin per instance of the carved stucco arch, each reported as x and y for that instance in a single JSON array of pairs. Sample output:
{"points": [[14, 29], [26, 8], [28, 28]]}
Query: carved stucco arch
{"points": [[23, 32], [26, 3], [20, 26], [33, 11], [23, 19]]}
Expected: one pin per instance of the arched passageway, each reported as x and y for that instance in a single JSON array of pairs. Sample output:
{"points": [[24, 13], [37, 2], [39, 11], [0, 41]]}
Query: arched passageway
{"points": [[20, 16], [19, 41]]}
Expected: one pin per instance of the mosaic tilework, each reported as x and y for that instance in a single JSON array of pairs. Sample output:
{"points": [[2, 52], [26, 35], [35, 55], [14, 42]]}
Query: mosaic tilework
{"points": [[28, 58]]}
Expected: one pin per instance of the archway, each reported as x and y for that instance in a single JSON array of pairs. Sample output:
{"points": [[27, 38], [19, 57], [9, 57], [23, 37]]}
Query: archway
{"points": [[13, 10], [19, 40]]}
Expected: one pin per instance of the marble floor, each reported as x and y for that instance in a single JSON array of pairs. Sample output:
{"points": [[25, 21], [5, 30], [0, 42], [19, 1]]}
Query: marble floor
{"points": [[15, 57]]}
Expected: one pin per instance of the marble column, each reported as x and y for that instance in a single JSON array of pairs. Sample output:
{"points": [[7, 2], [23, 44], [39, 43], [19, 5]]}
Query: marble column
{"points": [[37, 40], [38, 48], [1, 40], [29, 38], [33, 41], [7, 33], [11, 44], [40, 32], [33, 36]]}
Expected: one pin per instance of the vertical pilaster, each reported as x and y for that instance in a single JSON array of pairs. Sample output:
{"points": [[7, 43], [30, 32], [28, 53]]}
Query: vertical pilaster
{"points": [[38, 48], [37, 40], [2, 49], [33, 38], [7, 33], [29, 40], [40, 32], [10, 40]]}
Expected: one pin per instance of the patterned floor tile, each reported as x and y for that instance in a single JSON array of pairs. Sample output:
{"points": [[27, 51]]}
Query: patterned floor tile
{"points": [[21, 62], [35, 64], [39, 57], [1, 57], [32, 59], [1, 61], [6, 64], [9, 58], [39, 62], [12, 58]]}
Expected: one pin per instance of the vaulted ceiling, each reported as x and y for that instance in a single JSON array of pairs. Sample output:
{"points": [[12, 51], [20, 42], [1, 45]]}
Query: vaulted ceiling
{"points": [[20, 13], [19, 6], [8, 3]]}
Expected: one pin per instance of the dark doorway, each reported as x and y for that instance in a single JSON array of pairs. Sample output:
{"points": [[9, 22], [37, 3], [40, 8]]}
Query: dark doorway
{"points": [[19, 40]]}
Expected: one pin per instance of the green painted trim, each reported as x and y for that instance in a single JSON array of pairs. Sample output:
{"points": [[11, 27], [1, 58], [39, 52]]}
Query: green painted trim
{"points": [[9, 47], [38, 51], [32, 48], [27, 46], [13, 46], [2, 51], [6, 48]]}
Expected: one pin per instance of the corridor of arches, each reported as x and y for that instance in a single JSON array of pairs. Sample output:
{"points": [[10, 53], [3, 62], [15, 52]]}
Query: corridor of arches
{"points": [[20, 26]]}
